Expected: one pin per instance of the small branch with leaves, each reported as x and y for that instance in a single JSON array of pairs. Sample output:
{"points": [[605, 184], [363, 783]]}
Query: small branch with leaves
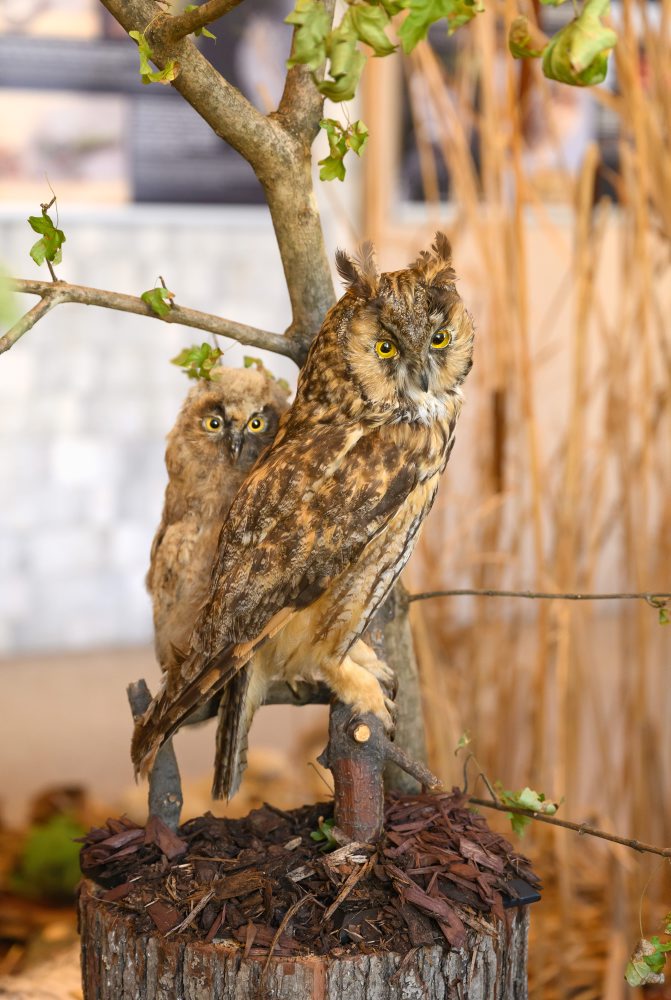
{"points": [[649, 957], [156, 303]]}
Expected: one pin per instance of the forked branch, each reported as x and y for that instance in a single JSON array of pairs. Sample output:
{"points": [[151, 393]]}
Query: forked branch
{"points": [[174, 28]]}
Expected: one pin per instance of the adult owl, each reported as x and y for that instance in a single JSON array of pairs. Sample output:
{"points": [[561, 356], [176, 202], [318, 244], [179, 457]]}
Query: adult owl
{"points": [[221, 429], [325, 522]]}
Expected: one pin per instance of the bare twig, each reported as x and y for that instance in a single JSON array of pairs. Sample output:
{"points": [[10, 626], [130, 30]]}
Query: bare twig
{"points": [[655, 598], [29, 319], [417, 770], [55, 293], [580, 828], [185, 24]]}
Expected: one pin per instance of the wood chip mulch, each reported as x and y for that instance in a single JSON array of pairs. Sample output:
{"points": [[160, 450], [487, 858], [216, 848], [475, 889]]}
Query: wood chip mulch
{"points": [[264, 883]]}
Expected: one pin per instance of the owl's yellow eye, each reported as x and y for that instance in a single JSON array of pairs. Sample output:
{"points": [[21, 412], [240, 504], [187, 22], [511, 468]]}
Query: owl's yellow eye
{"points": [[213, 424], [386, 349], [440, 340], [257, 424]]}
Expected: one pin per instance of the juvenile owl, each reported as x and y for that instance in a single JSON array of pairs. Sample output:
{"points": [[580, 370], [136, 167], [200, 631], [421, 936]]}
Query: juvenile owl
{"points": [[325, 522], [222, 428]]}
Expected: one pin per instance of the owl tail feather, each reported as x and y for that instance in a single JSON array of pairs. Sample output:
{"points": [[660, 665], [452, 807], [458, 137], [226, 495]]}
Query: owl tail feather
{"points": [[238, 704], [171, 709]]}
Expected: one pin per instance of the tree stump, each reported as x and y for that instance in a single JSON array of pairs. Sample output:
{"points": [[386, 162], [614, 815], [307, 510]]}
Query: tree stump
{"points": [[120, 964]]}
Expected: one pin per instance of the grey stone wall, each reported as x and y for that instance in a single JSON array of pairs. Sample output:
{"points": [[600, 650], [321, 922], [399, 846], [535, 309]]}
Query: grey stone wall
{"points": [[86, 399]]}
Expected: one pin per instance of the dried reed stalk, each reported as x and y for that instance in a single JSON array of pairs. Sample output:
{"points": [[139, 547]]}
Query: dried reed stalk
{"points": [[561, 477]]}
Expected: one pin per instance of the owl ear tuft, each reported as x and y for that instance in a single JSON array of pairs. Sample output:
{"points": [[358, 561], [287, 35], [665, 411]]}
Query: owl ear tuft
{"points": [[435, 266], [359, 273]]}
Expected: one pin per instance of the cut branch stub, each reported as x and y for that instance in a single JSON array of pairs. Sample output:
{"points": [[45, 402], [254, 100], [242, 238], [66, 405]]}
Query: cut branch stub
{"points": [[165, 786], [357, 752]]}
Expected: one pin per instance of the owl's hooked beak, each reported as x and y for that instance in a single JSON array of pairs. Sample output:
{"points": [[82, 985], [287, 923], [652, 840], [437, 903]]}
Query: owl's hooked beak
{"points": [[235, 442], [419, 376]]}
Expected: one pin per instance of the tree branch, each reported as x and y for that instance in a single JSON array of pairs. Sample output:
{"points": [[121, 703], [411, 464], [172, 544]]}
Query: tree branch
{"points": [[188, 22], [656, 599], [580, 828], [50, 298], [55, 293], [277, 147], [224, 108], [301, 105]]}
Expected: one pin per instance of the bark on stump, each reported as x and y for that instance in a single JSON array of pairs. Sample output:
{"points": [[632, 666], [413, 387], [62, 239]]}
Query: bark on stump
{"points": [[119, 964]]}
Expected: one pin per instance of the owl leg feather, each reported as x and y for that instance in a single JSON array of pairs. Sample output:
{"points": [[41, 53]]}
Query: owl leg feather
{"points": [[356, 686], [365, 657]]}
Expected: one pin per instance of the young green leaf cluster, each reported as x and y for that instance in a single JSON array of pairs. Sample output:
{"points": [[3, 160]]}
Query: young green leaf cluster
{"points": [[148, 75], [528, 798], [49, 246], [646, 965], [159, 299], [340, 139], [577, 54], [198, 362], [365, 22], [324, 835]]}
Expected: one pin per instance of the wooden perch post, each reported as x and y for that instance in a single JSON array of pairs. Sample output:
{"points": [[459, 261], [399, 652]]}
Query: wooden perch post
{"points": [[119, 964], [358, 753]]}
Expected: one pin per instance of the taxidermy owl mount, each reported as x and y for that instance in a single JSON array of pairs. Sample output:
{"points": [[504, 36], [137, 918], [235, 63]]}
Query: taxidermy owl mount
{"points": [[323, 524]]}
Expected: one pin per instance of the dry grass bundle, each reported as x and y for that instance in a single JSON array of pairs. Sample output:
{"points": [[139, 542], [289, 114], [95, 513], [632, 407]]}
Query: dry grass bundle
{"points": [[561, 479]]}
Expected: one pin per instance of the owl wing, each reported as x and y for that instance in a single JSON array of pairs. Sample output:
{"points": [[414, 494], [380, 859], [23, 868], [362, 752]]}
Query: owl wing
{"points": [[301, 517]]}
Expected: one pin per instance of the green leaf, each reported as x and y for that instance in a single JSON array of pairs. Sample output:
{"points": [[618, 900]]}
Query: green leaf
{"points": [[518, 823], [370, 23], [325, 834], [49, 246], [199, 31], [357, 137], [198, 361], [48, 867], [578, 53], [664, 620], [393, 6], [312, 24], [340, 139], [646, 965], [528, 798], [169, 72], [424, 13], [158, 299], [464, 741], [520, 42]]}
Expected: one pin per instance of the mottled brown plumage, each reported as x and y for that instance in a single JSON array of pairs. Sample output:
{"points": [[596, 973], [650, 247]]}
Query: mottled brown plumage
{"points": [[220, 431], [323, 525]]}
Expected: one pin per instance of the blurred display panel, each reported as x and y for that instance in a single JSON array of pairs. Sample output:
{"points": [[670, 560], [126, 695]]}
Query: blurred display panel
{"points": [[557, 122], [73, 108]]}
